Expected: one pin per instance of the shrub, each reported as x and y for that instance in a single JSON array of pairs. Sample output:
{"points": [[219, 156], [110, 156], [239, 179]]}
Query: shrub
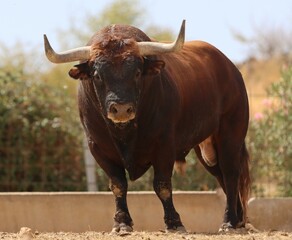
{"points": [[270, 139], [40, 137]]}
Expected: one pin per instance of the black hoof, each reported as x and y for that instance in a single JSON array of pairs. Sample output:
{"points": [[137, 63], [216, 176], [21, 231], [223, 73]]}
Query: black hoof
{"points": [[239, 229], [226, 228], [121, 229], [179, 229]]}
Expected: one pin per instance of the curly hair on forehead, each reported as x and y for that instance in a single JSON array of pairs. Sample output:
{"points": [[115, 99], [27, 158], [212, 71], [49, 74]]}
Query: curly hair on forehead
{"points": [[115, 48]]}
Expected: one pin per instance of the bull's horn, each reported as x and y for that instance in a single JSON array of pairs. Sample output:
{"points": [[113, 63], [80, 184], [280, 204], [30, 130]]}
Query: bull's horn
{"points": [[153, 48], [76, 54]]}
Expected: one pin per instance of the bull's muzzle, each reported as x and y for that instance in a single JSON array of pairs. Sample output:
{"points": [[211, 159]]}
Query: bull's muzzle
{"points": [[121, 113]]}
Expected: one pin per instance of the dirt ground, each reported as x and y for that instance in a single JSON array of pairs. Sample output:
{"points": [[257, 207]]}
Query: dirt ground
{"points": [[27, 234]]}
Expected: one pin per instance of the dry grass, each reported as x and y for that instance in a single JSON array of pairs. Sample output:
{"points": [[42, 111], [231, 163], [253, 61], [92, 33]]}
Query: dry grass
{"points": [[258, 75]]}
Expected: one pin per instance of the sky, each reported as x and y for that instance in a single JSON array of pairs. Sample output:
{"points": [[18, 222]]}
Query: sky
{"points": [[212, 21]]}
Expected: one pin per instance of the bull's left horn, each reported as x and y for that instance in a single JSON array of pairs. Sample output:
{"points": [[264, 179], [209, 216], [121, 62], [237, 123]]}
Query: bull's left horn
{"points": [[153, 48], [76, 54]]}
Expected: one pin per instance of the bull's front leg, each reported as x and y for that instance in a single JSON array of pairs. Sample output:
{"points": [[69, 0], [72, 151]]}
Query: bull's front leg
{"points": [[163, 189], [122, 219], [119, 186]]}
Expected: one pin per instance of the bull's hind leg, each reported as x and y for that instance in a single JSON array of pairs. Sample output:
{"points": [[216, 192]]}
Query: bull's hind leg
{"points": [[228, 175], [229, 165], [214, 170], [233, 166]]}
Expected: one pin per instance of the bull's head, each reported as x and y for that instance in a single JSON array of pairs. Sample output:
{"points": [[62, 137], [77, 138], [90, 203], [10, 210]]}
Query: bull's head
{"points": [[116, 66]]}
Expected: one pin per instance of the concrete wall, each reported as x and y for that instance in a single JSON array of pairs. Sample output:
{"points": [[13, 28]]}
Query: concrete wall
{"points": [[271, 213], [79, 212]]}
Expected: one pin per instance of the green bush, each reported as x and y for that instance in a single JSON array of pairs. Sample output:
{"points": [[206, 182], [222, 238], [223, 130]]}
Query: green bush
{"points": [[270, 140], [40, 136]]}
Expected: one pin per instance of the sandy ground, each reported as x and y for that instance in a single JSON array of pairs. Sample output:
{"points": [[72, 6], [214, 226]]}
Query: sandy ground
{"points": [[27, 234]]}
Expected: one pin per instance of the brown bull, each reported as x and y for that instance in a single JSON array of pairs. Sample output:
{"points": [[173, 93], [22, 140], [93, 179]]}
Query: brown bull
{"points": [[145, 103]]}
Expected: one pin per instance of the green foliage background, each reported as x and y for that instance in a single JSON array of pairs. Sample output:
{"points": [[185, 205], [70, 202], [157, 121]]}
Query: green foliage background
{"points": [[270, 139], [40, 136]]}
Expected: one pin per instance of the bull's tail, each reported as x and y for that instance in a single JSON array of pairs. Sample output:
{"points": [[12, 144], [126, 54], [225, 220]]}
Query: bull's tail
{"points": [[244, 181]]}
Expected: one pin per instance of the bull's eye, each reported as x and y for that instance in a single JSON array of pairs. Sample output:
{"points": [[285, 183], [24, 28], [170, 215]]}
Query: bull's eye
{"points": [[97, 77], [95, 74], [138, 74], [138, 77]]}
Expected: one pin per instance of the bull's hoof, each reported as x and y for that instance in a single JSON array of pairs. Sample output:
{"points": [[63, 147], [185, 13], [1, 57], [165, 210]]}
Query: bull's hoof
{"points": [[241, 228], [121, 229], [226, 228], [179, 229]]}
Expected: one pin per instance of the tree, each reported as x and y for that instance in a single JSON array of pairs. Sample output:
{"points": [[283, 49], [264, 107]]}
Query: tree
{"points": [[117, 12], [267, 42], [21, 58]]}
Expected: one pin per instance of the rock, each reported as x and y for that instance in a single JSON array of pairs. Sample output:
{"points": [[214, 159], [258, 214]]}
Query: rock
{"points": [[26, 233]]}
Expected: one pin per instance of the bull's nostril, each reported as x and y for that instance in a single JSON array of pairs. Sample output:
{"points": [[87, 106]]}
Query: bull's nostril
{"points": [[130, 110], [113, 109]]}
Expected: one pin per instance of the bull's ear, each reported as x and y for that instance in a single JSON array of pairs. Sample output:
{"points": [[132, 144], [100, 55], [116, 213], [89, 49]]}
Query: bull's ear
{"points": [[80, 71], [153, 67]]}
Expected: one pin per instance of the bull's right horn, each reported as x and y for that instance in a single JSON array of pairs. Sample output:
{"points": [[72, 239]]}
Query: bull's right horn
{"points": [[76, 54], [153, 48]]}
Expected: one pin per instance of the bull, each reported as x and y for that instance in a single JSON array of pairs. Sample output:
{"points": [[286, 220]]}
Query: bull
{"points": [[144, 103]]}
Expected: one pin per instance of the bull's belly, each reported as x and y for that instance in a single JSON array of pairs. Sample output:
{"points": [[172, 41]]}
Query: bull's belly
{"points": [[201, 135], [208, 154]]}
